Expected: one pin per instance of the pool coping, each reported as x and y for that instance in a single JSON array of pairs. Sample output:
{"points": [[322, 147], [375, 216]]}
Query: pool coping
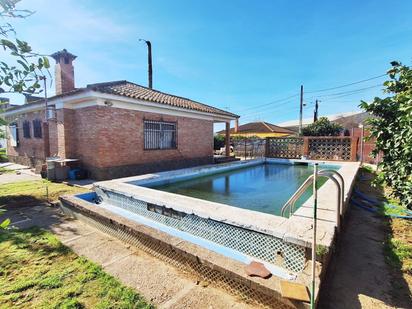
{"points": [[297, 229]]}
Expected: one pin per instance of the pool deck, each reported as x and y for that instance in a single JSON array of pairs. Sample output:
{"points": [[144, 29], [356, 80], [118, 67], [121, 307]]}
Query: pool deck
{"points": [[297, 229]]}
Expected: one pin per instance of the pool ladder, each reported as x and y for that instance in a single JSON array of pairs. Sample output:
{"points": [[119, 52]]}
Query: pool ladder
{"points": [[330, 174]]}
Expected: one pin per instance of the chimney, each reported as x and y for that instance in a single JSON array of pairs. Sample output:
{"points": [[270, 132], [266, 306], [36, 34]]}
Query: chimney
{"points": [[64, 71]]}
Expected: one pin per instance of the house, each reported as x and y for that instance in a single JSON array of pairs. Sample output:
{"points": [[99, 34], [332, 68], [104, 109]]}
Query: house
{"points": [[115, 129], [260, 129], [349, 121]]}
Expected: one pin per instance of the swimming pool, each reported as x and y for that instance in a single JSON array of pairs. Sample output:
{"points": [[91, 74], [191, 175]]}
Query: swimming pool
{"points": [[264, 188], [196, 217]]}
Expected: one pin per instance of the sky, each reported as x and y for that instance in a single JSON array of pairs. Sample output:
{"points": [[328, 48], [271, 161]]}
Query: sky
{"points": [[248, 57]]}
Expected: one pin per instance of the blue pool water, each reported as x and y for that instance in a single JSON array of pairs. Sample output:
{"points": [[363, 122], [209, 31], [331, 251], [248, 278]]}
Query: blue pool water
{"points": [[264, 188]]}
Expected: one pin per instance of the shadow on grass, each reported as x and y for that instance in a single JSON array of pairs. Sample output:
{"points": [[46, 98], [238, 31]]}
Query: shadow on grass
{"points": [[35, 240], [7, 202], [365, 263]]}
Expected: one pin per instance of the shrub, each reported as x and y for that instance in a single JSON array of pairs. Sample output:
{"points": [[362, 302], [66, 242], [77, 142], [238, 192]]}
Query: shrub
{"points": [[392, 129], [219, 142], [322, 127]]}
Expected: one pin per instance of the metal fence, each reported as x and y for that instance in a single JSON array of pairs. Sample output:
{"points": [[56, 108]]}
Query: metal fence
{"points": [[249, 148]]}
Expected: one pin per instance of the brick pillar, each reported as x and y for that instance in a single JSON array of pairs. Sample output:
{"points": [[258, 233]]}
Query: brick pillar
{"points": [[353, 148], [236, 125], [227, 139], [57, 135], [305, 146]]}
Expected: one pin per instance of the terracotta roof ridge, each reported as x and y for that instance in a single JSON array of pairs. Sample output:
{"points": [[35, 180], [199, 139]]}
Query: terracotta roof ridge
{"points": [[268, 126], [103, 84]]}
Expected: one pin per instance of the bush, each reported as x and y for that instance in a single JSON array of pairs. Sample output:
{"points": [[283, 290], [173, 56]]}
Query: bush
{"points": [[392, 129], [219, 142], [3, 156], [322, 127]]}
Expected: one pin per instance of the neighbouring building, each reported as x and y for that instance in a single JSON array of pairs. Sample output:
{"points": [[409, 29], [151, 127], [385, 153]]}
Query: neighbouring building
{"points": [[258, 129], [115, 129], [349, 121]]}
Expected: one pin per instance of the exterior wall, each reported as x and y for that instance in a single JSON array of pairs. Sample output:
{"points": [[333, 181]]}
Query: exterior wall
{"points": [[109, 142], [29, 151]]}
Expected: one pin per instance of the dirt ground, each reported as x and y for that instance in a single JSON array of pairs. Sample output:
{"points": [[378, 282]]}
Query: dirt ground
{"points": [[359, 276]]}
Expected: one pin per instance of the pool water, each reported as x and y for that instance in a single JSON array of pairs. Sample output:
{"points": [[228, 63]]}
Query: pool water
{"points": [[264, 188]]}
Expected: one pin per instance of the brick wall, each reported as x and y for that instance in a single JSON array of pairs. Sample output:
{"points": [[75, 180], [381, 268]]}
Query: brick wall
{"points": [[368, 146], [30, 151], [109, 142]]}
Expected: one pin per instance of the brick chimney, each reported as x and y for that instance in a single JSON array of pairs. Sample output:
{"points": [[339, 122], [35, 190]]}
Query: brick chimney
{"points": [[64, 71]]}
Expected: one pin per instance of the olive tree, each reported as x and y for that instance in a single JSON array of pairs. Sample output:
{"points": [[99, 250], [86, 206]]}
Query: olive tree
{"points": [[392, 129]]}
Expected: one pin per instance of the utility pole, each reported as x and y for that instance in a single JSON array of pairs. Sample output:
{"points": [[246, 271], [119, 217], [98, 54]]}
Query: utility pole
{"points": [[315, 113], [149, 62], [301, 110]]}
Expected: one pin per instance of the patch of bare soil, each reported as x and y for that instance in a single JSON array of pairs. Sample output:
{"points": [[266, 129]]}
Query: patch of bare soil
{"points": [[359, 275]]}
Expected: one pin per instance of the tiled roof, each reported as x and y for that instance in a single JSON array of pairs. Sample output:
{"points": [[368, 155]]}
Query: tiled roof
{"points": [[259, 127], [134, 91]]}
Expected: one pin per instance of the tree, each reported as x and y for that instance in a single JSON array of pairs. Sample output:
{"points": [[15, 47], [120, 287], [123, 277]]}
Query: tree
{"points": [[26, 69], [392, 129], [24, 72], [322, 127]]}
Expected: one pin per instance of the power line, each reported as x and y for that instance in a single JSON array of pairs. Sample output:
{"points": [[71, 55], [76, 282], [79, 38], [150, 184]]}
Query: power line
{"points": [[349, 92], [270, 103], [283, 101], [346, 85]]}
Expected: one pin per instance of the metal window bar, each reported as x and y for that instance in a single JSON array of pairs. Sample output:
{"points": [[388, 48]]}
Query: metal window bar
{"points": [[26, 129], [37, 130], [159, 135]]}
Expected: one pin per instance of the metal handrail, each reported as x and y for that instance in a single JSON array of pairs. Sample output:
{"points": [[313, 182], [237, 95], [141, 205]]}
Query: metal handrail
{"points": [[290, 204], [342, 184]]}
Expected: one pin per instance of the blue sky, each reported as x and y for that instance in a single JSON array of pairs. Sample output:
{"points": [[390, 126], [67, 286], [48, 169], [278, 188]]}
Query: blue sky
{"points": [[235, 55]]}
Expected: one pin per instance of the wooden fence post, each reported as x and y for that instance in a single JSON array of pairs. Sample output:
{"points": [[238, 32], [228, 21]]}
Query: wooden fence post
{"points": [[353, 148]]}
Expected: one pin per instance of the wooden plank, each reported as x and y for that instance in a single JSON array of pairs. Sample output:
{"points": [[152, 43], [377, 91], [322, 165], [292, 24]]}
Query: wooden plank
{"points": [[295, 291]]}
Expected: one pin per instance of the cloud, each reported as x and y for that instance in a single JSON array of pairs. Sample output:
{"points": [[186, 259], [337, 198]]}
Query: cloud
{"points": [[69, 21]]}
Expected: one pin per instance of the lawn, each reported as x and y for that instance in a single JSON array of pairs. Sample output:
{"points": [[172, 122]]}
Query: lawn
{"points": [[31, 192], [38, 271]]}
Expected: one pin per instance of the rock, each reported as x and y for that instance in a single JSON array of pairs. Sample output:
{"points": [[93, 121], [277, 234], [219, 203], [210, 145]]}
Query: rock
{"points": [[257, 269]]}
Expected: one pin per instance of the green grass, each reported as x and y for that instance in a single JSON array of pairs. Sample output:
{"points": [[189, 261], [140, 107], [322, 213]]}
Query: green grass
{"points": [[3, 156], [38, 271], [23, 192], [4, 170]]}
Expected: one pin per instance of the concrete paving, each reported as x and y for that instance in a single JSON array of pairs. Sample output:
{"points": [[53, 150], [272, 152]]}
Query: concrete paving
{"points": [[21, 173], [159, 282]]}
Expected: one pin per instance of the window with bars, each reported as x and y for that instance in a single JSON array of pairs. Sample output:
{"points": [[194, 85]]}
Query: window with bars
{"points": [[26, 129], [159, 135], [37, 131]]}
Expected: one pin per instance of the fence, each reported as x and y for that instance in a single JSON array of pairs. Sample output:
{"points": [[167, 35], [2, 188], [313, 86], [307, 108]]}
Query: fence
{"points": [[334, 148], [249, 148]]}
